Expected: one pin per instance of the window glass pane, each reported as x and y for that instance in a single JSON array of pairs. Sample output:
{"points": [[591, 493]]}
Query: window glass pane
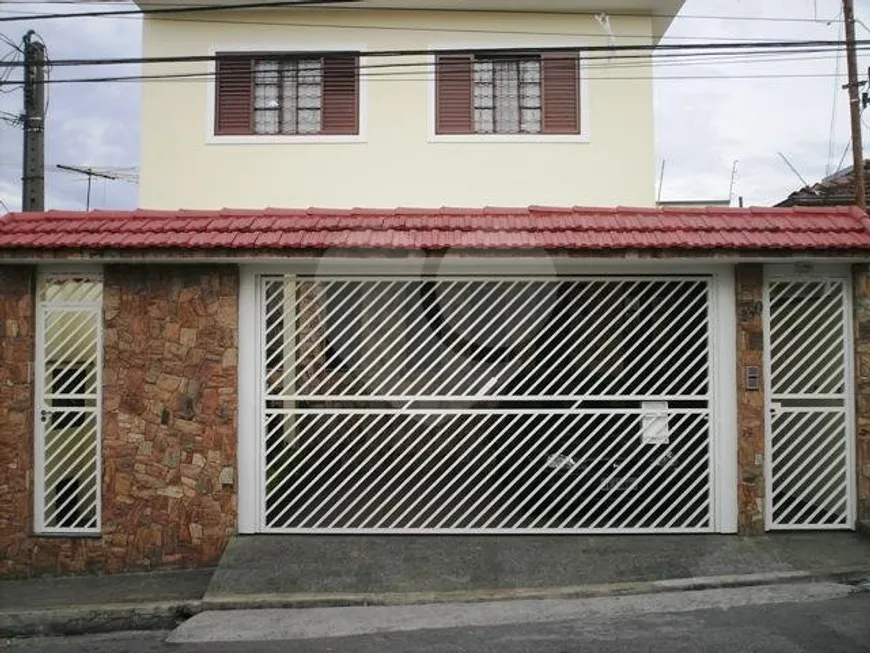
{"points": [[531, 121], [507, 95], [507, 103], [531, 95], [483, 121], [267, 102], [265, 71], [266, 121], [266, 97], [483, 96], [309, 121], [290, 99], [483, 71], [288, 96], [310, 71], [309, 96], [530, 70]]}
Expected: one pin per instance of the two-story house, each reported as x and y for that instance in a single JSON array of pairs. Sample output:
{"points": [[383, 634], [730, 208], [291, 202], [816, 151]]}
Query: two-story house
{"points": [[521, 361], [412, 104]]}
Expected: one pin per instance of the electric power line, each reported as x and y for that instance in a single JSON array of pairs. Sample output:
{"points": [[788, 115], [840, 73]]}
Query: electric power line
{"points": [[643, 60], [833, 110], [757, 47], [172, 10], [13, 55], [248, 21], [15, 46], [683, 56], [204, 77], [171, 7], [402, 71]]}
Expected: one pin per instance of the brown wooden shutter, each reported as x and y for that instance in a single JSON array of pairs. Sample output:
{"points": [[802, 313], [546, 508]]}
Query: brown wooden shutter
{"points": [[454, 94], [340, 95], [561, 93], [234, 101]]}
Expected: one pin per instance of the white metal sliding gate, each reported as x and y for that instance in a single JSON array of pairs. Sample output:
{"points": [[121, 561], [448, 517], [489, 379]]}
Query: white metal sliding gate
{"points": [[485, 405], [809, 443], [68, 373]]}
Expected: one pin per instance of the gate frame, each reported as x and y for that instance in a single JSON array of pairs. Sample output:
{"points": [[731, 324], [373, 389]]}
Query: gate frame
{"points": [[39, 493], [810, 272], [723, 357]]}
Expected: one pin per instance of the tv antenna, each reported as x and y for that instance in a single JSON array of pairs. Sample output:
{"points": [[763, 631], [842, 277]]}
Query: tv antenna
{"points": [[93, 172]]}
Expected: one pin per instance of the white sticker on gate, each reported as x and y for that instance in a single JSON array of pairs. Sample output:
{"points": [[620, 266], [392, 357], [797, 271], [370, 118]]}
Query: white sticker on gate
{"points": [[654, 429]]}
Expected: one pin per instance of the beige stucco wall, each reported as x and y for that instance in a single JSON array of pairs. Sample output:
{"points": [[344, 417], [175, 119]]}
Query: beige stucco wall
{"points": [[396, 161]]}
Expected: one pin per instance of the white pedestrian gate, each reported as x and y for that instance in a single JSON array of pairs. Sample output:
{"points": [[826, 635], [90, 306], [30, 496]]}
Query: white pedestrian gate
{"points": [[485, 405], [68, 382], [809, 443]]}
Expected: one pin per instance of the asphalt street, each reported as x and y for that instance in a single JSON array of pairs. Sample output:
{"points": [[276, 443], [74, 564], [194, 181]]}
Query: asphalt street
{"points": [[789, 619]]}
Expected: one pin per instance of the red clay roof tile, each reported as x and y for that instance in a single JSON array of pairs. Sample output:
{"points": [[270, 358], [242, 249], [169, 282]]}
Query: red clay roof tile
{"points": [[496, 228]]}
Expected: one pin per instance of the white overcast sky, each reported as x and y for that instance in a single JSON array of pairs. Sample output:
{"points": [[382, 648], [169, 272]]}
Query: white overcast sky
{"points": [[707, 115]]}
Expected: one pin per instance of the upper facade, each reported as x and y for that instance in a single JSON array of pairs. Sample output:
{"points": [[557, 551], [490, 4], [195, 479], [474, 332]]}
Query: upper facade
{"points": [[387, 103]]}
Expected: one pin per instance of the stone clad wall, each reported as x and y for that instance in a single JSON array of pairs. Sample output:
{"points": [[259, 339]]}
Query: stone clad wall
{"points": [[750, 403], [861, 283], [17, 325], [169, 404], [169, 423]]}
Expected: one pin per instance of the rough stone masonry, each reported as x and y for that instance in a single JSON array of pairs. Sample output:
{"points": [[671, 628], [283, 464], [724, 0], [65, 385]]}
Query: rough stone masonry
{"points": [[169, 422]]}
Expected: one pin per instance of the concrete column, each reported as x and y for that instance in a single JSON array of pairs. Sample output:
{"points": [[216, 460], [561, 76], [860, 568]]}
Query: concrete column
{"points": [[750, 403], [861, 308]]}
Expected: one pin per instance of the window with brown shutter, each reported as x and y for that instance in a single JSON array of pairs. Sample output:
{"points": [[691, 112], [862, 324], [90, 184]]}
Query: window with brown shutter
{"points": [[274, 94], [560, 92], [508, 93], [235, 93], [454, 86]]}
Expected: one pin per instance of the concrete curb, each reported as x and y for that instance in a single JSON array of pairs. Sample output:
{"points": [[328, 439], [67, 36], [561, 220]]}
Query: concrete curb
{"points": [[91, 619], [326, 600]]}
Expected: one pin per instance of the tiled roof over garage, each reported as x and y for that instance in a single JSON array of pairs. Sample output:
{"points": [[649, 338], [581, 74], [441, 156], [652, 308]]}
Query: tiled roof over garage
{"points": [[576, 229]]}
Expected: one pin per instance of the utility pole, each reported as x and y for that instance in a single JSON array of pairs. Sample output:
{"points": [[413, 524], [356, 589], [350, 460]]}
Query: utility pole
{"points": [[91, 173], [854, 105], [33, 180]]}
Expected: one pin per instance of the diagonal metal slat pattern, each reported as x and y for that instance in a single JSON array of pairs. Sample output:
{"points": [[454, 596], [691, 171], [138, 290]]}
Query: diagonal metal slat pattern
{"points": [[486, 405], [808, 452], [68, 432], [816, 462], [512, 470], [806, 337], [460, 338]]}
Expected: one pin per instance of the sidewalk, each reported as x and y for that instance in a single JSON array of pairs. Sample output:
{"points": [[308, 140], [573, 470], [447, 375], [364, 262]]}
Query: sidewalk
{"points": [[318, 571], [89, 604]]}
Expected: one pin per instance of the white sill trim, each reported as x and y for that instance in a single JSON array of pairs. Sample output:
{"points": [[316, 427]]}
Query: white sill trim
{"points": [[286, 140], [509, 138]]}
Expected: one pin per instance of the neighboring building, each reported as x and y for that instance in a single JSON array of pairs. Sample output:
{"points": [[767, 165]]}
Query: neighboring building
{"points": [[837, 189], [169, 378]]}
